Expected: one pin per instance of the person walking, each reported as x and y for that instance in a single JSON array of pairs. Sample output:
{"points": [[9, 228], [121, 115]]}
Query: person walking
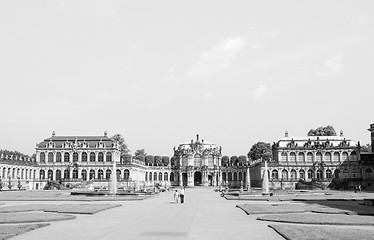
{"points": [[182, 195], [176, 196]]}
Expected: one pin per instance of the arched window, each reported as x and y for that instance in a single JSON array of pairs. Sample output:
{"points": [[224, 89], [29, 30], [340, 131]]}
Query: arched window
{"points": [[146, 176], [100, 174], [108, 173], [337, 173], [302, 174], [66, 174], [84, 174], [224, 177], [319, 174], [118, 174], [92, 174], [166, 176], [84, 157], [353, 156], [336, 157], [293, 174], [319, 157], [92, 157], [328, 174], [58, 157], [150, 176], [42, 174], [42, 157], [75, 173], [292, 157], [171, 176], [126, 175], [230, 176], [14, 173], [274, 174], [345, 156], [310, 174], [235, 176], [309, 157], [155, 176], [75, 157], [327, 157], [284, 174], [100, 157], [66, 157], [50, 157], [108, 156], [58, 175], [284, 156], [301, 157], [354, 172], [240, 176], [160, 176], [50, 174]]}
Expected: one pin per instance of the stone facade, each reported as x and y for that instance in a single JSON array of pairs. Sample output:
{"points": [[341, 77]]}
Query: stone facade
{"points": [[312, 158], [197, 163]]}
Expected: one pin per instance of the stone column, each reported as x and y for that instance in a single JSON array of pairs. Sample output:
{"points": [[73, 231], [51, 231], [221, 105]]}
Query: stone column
{"points": [[265, 180], [248, 179], [113, 180]]}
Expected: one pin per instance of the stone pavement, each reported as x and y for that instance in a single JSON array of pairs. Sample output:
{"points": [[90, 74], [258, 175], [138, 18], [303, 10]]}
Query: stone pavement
{"points": [[204, 215]]}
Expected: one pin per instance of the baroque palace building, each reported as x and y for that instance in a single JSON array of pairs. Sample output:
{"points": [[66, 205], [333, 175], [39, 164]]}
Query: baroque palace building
{"points": [[313, 158], [198, 163], [81, 160]]}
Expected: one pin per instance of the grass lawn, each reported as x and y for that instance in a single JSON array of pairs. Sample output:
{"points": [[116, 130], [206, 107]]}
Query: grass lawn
{"points": [[64, 208], [287, 208], [318, 218], [357, 207], [9, 231], [30, 217], [302, 232]]}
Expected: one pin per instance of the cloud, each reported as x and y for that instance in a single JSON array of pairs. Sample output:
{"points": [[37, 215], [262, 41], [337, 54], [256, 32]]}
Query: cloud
{"points": [[360, 21], [260, 91], [218, 58], [332, 67]]}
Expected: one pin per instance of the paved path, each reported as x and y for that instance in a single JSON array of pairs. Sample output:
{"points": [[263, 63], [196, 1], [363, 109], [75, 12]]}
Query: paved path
{"points": [[204, 215]]}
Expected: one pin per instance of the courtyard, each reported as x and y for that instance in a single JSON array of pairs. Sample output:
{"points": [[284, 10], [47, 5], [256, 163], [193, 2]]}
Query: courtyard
{"points": [[204, 215]]}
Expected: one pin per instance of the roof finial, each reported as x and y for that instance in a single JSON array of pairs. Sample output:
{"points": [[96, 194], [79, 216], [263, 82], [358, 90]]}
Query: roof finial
{"points": [[53, 133], [105, 134], [286, 134], [197, 137], [341, 133]]}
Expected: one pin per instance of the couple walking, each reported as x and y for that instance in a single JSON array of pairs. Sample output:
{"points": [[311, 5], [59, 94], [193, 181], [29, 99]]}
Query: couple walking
{"points": [[179, 195]]}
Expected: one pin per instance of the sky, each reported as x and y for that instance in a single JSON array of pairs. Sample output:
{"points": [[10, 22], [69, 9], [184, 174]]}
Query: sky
{"points": [[160, 72]]}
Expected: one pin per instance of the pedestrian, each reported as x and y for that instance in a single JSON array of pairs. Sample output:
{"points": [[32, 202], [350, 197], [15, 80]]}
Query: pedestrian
{"points": [[182, 195], [176, 196], [359, 188]]}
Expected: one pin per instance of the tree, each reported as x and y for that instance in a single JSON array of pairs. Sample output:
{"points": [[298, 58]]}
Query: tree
{"points": [[165, 160], [140, 152], [149, 160], [157, 160], [234, 160], [225, 160], [122, 146], [242, 160], [126, 158], [322, 131], [140, 158], [258, 149]]}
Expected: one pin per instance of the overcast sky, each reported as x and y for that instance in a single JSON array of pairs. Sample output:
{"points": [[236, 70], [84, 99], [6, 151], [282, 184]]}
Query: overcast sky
{"points": [[159, 72]]}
